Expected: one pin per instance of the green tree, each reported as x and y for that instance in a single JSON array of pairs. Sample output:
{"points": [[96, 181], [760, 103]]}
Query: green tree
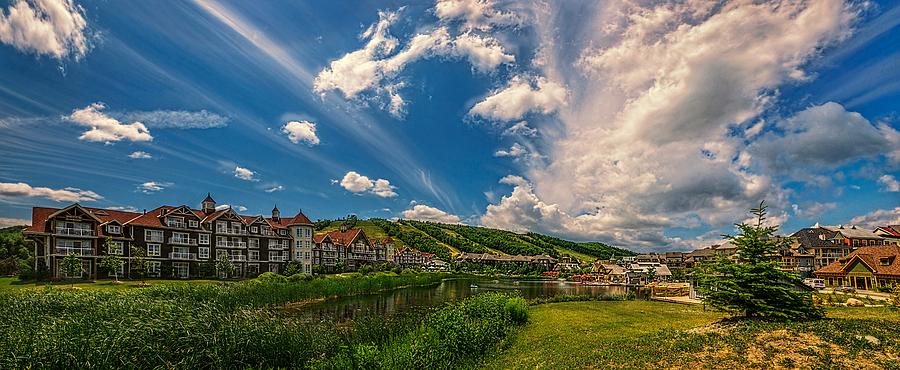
{"points": [[651, 274], [752, 285], [111, 262], [139, 263], [291, 268], [224, 266], [71, 266]]}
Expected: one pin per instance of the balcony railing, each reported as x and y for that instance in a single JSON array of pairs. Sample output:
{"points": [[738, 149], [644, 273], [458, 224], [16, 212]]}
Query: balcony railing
{"points": [[278, 258], [831, 255], [78, 251], [230, 244], [231, 231], [277, 246], [183, 241], [180, 225], [237, 257], [252, 258], [74, 231], [182, 256]]}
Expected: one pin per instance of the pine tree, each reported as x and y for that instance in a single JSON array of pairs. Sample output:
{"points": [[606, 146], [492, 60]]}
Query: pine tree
{"points": [[751, 284]]}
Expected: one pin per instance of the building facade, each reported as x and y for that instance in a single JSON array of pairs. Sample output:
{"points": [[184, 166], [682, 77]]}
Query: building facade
{"points": [[176, 241], [349, 248]]}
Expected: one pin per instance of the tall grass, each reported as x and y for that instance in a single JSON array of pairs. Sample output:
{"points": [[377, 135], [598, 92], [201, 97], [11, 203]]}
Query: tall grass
{"points": [[236, 326]]}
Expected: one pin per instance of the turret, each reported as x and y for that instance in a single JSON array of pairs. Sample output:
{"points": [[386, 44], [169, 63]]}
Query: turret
{"points": [[209, 204], [276, 214]]}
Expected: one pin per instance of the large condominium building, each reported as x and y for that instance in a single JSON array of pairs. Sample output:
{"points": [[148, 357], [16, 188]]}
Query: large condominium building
{"points": [[178, 241], [350, 247]]}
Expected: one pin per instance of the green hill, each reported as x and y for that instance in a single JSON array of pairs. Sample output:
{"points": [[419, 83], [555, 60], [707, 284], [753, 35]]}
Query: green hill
{"points": [[448, 240]]}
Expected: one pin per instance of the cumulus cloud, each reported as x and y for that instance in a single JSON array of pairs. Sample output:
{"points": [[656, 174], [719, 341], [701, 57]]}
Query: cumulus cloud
{"points": [[55, 28], [244, 173], [21, 189], [301, 131], [178, 119], [374, 68], [521, 97], [227, 206], [646, 123], [889, 183], [520, 129], [423, 212], [878, 217], [822, 136], [105, 128], [140, 155], [474, 14], [814, 209], [150, 187], [356, 183]]}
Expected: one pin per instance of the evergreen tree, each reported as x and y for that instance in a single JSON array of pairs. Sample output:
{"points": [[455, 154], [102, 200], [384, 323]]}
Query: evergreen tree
{"points": [[751, 284], [224, 265]]}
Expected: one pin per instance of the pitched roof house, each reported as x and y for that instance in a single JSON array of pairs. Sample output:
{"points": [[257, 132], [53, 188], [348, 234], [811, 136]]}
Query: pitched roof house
{"points": [[866, 268]]}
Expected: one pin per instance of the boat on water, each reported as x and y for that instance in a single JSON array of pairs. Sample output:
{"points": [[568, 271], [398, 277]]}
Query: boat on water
{"points": [[473, 286]]}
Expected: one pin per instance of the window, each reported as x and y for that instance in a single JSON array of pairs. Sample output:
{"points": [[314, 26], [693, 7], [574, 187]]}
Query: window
{"points": [[118, 247], [253, 255], [299, 232], [254, 229], [153, 268], [175, 222], [221, 226], [307, 255], [282, 232], [884, 261], [182, 269], [204, 239], [153, 250], [204, 253], [254, 243], [114, 229], [273, 268], [154, 236], [193, 223], [299, 244], [275, 257]]}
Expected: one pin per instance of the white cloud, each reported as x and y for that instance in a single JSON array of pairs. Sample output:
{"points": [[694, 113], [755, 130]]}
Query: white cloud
{"points": [[356, 183], [105, 128], [878, 217], [244, 173], [889, 183], [822, 136], [520, 129], [521, 97], [646, 138], [423, 212], [45, 27], [140, 155], [21, 189], [153, 186], [474, 14], [814, 209], [301, 131], [274, 189], [123, 208], [7, 222], [178, 119], [375, 67]]}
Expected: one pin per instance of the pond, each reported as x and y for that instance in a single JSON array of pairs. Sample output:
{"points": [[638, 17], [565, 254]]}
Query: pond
{"points": [[417, 300]]}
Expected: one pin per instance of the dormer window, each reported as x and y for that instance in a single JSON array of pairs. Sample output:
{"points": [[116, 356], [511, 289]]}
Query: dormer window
{"points": [[885, 261], [282, 232], [194, 223], [113, 229], [254, 229]]}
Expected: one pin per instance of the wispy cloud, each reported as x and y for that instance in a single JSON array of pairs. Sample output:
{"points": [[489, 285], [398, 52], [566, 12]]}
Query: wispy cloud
{"points": [[150, 187], [177, 119], [274, 189], [7, 222], [140, 155], [69, 194]]}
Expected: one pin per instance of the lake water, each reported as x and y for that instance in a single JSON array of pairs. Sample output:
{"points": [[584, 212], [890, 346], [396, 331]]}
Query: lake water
{"points": [[419, 299]]}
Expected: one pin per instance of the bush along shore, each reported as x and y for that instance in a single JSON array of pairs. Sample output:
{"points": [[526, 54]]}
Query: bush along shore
{"points": [[239, 326]]}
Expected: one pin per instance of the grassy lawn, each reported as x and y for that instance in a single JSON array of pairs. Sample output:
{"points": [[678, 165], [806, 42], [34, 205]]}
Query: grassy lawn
{"points": [[639, 334], [13, 283]]}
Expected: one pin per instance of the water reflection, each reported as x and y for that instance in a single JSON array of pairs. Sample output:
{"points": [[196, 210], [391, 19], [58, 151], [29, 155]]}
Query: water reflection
{"points": [[420, 299]]}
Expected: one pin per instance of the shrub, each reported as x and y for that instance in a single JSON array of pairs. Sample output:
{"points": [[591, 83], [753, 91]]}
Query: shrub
{"points": [[271, 277], [365, 269], [517, 309], [299, 277]]}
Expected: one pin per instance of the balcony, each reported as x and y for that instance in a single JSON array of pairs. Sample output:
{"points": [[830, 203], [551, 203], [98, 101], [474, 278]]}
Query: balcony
{"points": [[180, 225], [183, 241], [74, 231], [230, 244], [182, 256], [231, 231], [252, 258], [831, 255], [278, 258], [78, 251], [237, 258], [277, 246]]}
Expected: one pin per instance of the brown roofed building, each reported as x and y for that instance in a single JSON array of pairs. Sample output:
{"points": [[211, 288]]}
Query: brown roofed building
{"points": [[866, 268]]}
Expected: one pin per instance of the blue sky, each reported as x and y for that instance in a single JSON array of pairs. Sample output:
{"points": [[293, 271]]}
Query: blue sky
{"points": [[650, 126]]}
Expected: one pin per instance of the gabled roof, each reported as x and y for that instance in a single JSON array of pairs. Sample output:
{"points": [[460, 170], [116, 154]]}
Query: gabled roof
{"points": [[812, 237], [320, 238], [209, 198], [345, 237], [40, 215], [871, 256], [891, 230], [854, 232]]}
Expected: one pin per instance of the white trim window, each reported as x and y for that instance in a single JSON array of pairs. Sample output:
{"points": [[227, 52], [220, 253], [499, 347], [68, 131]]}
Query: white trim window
{"points": [[275, 256], [113, 229], [254, 229], [153, 250], [204, 253], [204, 239], [118, 247], [153, 268], [253, 243], [181, 269], [253, 255], [273, 268], [193, 224], [153, 236]]}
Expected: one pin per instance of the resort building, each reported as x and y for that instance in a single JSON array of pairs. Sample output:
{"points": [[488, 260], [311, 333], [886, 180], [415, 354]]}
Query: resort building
{"points": [[546, 262], [890, 233], [177, 241], [349, 247], [409, 257], [867, 268]]}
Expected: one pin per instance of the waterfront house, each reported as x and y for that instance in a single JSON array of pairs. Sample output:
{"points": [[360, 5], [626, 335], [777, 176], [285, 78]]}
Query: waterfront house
{"points": [[411, 257], [889, 233], [866, 268], [350, 247], [177, 241]]}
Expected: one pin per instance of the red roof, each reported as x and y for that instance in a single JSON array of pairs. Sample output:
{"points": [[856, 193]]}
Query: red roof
{"points": [[344, 237], [40, 215]]}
